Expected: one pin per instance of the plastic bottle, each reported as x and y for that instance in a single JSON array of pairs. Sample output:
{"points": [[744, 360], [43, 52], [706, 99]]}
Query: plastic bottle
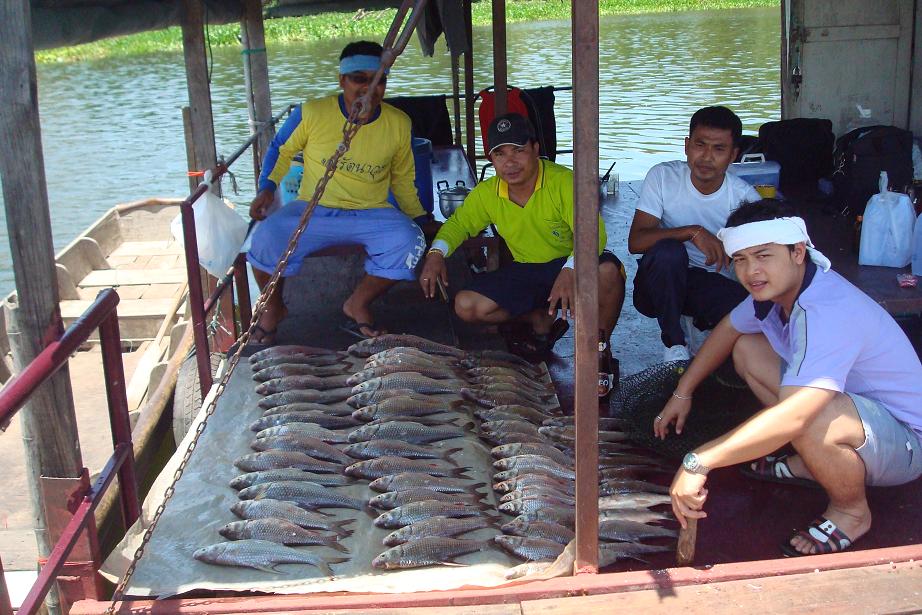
{"points": [[917, 248]]}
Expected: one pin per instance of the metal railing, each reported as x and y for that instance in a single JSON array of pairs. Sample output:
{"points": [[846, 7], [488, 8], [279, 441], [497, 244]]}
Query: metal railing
{"points": [[102, 315]]}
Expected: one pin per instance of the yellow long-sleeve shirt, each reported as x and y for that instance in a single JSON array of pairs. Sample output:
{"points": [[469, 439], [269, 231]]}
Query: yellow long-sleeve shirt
{"points": [[380, 157], [539, 232]]}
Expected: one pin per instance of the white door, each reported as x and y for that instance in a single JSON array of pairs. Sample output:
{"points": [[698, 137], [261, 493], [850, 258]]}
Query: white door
{"points": [[841, 54]]}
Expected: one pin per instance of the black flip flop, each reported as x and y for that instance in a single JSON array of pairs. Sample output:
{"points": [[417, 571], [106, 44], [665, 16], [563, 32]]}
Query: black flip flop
{"points": [[775, 470], [354, 328], [263, 334]]}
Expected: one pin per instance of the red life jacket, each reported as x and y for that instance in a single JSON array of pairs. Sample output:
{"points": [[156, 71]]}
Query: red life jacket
{"points": [[514, 104]]}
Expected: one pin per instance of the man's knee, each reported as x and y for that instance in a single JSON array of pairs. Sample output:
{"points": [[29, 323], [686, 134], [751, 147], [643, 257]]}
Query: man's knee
{"points": [[468, 306], [665, 254], [611, 279], [838, 423]]}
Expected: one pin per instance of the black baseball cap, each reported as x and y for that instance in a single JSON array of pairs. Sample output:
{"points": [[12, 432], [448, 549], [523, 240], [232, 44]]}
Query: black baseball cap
{"points": [[510, 129]]}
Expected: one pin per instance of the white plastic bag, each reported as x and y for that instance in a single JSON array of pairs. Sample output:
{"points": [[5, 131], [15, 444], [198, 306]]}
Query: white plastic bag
{"points": [[219, 232], [886, 232]]}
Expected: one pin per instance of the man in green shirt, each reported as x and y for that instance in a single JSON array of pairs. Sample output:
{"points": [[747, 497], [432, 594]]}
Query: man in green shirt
{"points": [[530, 202]]}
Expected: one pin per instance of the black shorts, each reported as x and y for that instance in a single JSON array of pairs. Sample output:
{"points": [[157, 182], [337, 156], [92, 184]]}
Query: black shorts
{"points": [[520, 288]]}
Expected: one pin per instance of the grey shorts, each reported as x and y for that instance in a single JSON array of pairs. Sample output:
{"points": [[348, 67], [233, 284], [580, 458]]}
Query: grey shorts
{"points": [[892, 452]]}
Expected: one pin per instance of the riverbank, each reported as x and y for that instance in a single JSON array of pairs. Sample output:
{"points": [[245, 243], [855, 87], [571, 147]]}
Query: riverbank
{"points": [[369, 24]]}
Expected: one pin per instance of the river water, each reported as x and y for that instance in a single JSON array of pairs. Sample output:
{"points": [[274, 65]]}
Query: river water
{"points": [[112, 129]]}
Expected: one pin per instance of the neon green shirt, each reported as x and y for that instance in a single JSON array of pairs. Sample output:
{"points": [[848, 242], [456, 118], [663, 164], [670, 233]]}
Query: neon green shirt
{"points": [[380, 157], [539, 232]]}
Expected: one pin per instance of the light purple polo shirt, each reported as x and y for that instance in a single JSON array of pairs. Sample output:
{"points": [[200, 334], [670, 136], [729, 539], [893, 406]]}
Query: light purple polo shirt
{"points": [[839, 339]]}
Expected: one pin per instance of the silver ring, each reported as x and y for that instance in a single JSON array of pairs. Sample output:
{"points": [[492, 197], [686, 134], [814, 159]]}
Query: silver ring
{"points": [[659, 417], [425, 279]]}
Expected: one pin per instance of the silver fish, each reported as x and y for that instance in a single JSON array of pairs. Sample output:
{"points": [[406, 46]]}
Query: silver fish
{"points": [[532, 480], [306, 495], [630, 531], [278, 531], [293, 350], [538, 399], [300, 383], [437, 373], [640, 515], [533, 386], [507, 426], [384, 466], [437, 526], [409, 380], [611, 552], [531, 549], [612, 487], [269, 476], [262, 555], [547, 530], [512, 437], [526, 413], [329, 421], [303, 444], [313, 430], [530, 569], [540, 491], [272, 460], [428, 421], [515, 372], [330, 396], [408, 358], [401, 406], [412, 480], [500, 358], [424, 509], [532, 504], [308, 376], [413, 432], [633, 500], [319, 360], [425, 552], [532, 448], [372, 449], [307, 407], [562, 516], [489, 399], [268, 508], [535, 462], [568, 434], [393, 499], [605, 423], [372, 397], [374, 345]]}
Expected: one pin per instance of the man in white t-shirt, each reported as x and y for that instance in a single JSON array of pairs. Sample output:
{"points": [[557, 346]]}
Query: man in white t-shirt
{"points": [[684, 269], [840, 381]]}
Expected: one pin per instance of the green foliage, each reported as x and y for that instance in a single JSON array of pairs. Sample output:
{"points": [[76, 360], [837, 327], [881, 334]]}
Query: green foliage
{"points": [[367, 24]]}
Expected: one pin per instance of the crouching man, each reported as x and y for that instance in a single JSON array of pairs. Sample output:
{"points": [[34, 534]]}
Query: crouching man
{"points": [[840, 381]]}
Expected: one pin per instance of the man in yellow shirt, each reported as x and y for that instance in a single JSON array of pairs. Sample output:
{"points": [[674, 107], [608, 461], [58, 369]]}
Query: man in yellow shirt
{"points": [[530, 202], [354, 207]]}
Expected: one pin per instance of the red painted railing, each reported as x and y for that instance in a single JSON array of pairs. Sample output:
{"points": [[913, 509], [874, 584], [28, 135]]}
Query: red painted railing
{"points": [[102, 315]]}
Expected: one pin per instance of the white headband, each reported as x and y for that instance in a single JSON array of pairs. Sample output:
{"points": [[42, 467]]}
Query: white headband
{"points": [[785, 231]]}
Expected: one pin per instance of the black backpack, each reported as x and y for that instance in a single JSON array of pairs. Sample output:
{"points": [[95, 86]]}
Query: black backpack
{"points": [[860, 157], [802, 146]]}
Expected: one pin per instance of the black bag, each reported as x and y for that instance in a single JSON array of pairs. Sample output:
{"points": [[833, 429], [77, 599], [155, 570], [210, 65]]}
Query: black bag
{"points": [[860, 157], [802, 146]]}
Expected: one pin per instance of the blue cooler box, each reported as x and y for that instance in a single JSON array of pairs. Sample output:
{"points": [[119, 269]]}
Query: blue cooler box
{"points": [[757, 171]]}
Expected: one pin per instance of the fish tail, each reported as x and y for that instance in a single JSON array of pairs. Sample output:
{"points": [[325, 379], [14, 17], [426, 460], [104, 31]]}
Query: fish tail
{"points": [[460, 473], [476, 487], [340, 530], [333, 543], [447, 455]]}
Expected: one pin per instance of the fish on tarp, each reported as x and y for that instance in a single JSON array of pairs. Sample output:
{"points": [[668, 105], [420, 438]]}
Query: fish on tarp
{"points": [[528, 480], [307, 407], [537, 399], [304, 494], [631, 531], [372, 449], [408, 358], [426, 552], [447, 527], [393, 499], [633, 500], [330, 421], [269, 476], [531, 504], [568, 434], [531, 569], [373, 345], [605, 423], [318, 360], [311, 376], [268, 508], [548, 530], [413, 480], [262, 555], [437, 373], [314, 447], [300, 383], [507, 426], [560, 515], [532, 448], [611, 552], [489, 399], [372, 397], [425, 509], [408, 431], [428, 421], [533, 386], [294, 350], [272, 460], [403, 406], [383, 466], [612, 487], [542, 491], [330, 396], [515, 372], [535, 462], [523, 413], [279, 531], [413, 381], [614, 461], [530, 549], [330, 436], [512, 437], [640, 515]]}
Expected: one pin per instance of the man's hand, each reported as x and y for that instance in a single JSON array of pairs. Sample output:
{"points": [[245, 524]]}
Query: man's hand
{"points": [[712, 248], [675, 410], [433, 269], [261, 204], [562, 291], [688, 496]]}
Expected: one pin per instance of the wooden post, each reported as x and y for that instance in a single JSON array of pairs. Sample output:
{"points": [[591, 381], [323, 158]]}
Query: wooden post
{"points": [[500, 81], [49, 423], [586, 251], [685, 551], [469, 87], [193, 44], [256, 77]]}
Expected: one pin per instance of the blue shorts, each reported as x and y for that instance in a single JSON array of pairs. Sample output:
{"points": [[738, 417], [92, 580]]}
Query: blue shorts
{"points": [[892, 452], [393, 242], [520, 288]]}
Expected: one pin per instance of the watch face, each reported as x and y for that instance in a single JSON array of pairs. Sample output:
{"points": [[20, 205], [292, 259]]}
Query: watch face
{"points": [[690, 462]]}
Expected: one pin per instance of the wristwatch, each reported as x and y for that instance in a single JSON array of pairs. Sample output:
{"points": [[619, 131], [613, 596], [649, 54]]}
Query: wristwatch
{"points": [[692, 463]]}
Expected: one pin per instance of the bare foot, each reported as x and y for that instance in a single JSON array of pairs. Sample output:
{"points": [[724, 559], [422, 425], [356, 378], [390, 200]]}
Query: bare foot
{"points": [[362, 314], [266, 328], [853, 523]]}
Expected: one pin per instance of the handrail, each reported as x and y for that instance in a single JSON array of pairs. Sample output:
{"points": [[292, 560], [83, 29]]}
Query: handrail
{"points": [[102, 314]]}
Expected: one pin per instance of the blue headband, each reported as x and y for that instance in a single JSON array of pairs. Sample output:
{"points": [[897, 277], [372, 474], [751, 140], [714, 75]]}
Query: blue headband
{"points": [[355, 64]]}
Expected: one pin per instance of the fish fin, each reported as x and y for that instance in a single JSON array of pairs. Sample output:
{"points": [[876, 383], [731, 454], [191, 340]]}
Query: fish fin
{"points": [[371, 512], [460, 473], [451, 562], [485, 507], [447, 455], [342, 531], [476, 487], [324, 567], [333, 543]]}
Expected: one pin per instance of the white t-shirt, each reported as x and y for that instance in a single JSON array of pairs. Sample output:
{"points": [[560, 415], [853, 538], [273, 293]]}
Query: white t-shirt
{"points": [[668, 194], [839, 339]]}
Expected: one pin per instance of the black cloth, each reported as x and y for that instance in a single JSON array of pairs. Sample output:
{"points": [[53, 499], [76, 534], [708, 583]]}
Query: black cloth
{"points": [[665, 288], [429, 116], [802, 146], [540, 102]]}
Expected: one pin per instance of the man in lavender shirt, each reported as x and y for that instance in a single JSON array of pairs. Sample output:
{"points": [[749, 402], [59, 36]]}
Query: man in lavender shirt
{"points": [[840, 381]]}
